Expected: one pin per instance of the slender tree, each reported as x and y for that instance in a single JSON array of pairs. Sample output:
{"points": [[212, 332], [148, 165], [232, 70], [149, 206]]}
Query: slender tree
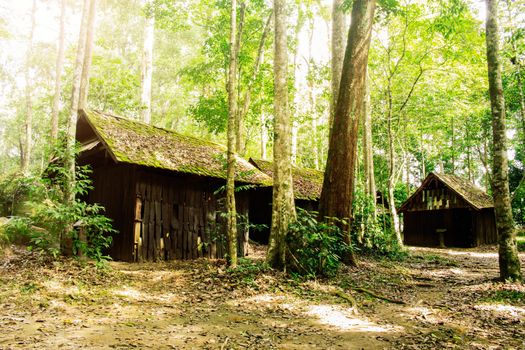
{"points": [[509, 263], [339, 180], [88, 54], [283, 207], [338, 51], [368, 157], [243, 111], [28, 122], [147, 68], [232, 115], [58, 73]]}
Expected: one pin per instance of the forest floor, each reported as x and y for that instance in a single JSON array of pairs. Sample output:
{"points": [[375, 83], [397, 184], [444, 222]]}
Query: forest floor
{"points": [[434, 299]]}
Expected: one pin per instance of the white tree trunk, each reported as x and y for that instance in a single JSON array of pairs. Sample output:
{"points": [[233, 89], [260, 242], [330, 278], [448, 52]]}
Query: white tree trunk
{"points": [[28, 122], [58, 73], [283, 207], [88, 54], [147, 69]]}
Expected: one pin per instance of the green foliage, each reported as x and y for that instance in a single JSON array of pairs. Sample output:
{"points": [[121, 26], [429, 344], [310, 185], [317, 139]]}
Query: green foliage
{"points": [[510, 296], [48, 217], [373, 231], [315, 248], [248, 270], [16, 231]]}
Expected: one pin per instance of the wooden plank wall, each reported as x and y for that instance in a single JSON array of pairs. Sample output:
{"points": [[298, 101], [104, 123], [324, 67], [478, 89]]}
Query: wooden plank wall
{"points": [[113, 188], [178, 217], [435, 199]]}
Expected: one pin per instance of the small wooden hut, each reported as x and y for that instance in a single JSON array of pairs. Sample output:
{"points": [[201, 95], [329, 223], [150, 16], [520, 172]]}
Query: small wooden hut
{"points": [[307, 186], [447, 210], [160, 188]]}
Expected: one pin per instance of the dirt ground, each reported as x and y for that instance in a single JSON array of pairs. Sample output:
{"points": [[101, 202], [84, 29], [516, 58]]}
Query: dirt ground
{"points": [[436, 298]]}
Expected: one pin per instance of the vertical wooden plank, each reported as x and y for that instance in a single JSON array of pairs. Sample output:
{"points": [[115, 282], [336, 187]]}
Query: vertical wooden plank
{"points": [[158, 230], [137, 225]]}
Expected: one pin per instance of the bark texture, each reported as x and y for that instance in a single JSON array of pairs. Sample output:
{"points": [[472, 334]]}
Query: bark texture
{"points": [[231, 224], [509, 263], [339, 180], [283, 207], [58, 73], [147, 69]]}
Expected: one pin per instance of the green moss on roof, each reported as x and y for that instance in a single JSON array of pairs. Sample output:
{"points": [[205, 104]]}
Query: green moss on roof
{"points": [[134, 142], [307, 183]]}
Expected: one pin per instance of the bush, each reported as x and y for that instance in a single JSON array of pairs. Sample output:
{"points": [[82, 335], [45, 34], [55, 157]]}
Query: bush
{"points": [[373, 232], [315, 247], [47, 216]]}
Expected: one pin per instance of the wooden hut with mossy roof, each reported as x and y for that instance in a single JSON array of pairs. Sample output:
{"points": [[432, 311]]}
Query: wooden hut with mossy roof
{"points": [[307, 186], [162, 189], [448, 211]]}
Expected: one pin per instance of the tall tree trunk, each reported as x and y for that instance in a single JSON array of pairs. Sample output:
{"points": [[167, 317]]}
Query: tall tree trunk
{"points": [[283, 207], [509, 263], [339, 180], [232, 116], [58, 73], [72, 121], [147, 69], [392, 171], [243, 111], [368, 156], [88, 54], [339, 31], [28, 122]]}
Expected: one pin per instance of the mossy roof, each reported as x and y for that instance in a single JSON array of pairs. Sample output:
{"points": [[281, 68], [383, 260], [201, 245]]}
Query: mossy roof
{"points": [[134, 142], [307, 183], [465, 189]]}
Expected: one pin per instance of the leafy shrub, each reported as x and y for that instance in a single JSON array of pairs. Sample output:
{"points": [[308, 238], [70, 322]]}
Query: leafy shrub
{"points": [[315, 248], [48, 217], [373, 231], [17, 230]]}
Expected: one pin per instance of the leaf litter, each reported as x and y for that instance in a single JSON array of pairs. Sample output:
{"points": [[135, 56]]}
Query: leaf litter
{"points": [[444, 298]]}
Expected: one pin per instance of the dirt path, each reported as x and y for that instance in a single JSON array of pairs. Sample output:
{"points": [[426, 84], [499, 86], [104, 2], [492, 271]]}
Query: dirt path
{"points": [[449, 301]]}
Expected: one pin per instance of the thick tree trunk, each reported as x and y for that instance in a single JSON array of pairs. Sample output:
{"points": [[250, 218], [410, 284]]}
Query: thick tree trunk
{"points": [[509, 263], [232, 116], [283, 207], [147, 69], [88, 54], [58, 73], [368, 156], [339, 180], [28, 122], [339, 31]]}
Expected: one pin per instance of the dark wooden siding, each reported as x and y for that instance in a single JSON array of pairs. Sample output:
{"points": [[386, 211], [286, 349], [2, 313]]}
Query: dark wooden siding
{"points": [[114, 188], [162, 216], [461, 227], [180, 217]]}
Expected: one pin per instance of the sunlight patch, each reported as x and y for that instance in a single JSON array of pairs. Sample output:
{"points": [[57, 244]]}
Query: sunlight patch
{"points": [[266, 298], [502, 309], [344, 319], [129, 293]]}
